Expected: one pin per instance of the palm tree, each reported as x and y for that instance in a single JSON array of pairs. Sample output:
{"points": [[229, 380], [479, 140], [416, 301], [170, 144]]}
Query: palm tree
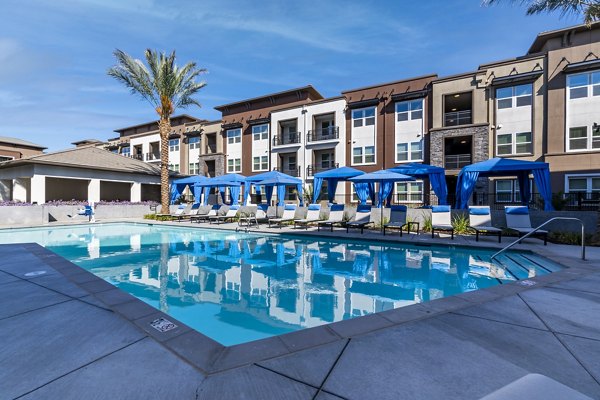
{"points": [[590, 9], [167, 87]]}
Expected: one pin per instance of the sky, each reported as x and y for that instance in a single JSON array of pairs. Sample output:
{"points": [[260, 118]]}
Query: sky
{"points": [[54, 54]]}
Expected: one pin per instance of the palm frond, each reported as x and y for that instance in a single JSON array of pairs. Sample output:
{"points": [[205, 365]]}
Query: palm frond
{"points": [[590, 9], [134, 75]]}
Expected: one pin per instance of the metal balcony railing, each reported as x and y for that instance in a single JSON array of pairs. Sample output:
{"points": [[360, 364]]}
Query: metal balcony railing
{"points": [[211, 148], [331, 133], [316, 168], [456, 161], [286, 138], [152, 157], [454, 118], [288, 171]]}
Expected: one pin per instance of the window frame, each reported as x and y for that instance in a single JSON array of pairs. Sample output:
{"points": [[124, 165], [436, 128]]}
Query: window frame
{"points": [[514, 97], [363, 155], [410, 112], [514, 144], [194, 142], [591, 89], [363, 117], [409, 198], [263, 163], [236, 165], [409, 151], [234, 136], [261, 135], [175, 146], [589, 182]]}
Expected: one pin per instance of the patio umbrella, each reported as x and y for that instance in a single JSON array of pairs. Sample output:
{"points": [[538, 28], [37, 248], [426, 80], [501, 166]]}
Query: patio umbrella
{"points": [[385, 179]]}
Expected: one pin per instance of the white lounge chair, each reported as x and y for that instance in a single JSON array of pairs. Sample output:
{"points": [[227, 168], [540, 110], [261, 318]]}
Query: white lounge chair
{"points": [[362, 219], [289, 212], [480, 220], [398, 220], [185, 215], [517, 220], [253, 218], [336, 217], [312, 215], [213, 212], [179, 211], [231, 214], [441, 220]]}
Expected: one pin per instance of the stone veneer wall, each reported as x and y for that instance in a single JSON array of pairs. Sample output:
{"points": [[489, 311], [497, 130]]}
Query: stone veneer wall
{"points": [[480, 142], [219, 160]]}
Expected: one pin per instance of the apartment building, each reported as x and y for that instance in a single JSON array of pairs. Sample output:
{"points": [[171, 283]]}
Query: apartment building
{"points": [[14, 148]]}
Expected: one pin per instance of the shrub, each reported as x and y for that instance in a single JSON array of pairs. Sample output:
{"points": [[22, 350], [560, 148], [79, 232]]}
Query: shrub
{"points": [[150, 216], [558, 201], [426, 226], [460, 223]]}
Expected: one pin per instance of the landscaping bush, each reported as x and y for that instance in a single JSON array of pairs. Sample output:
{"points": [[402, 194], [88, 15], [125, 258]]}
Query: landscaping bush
{"points": [[460, 223]]}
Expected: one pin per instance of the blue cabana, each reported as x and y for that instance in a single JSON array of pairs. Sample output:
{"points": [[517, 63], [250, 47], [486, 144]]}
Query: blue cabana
{"points": [[436, 175], [179, 185], [273, 177], [385, 178], [505, 167], [333, 176], [232, 181]]}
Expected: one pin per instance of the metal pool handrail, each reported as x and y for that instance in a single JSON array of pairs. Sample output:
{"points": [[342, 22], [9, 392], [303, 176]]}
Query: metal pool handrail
{"points": [[542, 225]]}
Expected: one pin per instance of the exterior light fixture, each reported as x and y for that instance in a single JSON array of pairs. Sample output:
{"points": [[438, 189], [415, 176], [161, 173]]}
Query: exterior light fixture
{"points": [[456, 95]]}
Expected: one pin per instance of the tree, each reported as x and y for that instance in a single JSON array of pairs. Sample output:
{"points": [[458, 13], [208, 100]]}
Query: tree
{"points": [[590, 9], [167, 87]]}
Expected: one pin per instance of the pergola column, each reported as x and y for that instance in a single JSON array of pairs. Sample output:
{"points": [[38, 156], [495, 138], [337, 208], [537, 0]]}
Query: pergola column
{"points": [[38, 189]]}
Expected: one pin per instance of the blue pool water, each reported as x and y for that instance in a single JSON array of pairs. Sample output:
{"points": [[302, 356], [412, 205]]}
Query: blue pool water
{"points": [[238, 287]]}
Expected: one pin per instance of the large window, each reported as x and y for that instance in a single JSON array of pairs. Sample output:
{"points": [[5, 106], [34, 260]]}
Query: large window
{"points": [[514, 96], [260, 163], [406, 110], [363, 155], [409, 151], [583, 184], [514, 143], [173, 144], [409, 192], [234, 165], [260, 132], [582, 138], [363, 117], [507, 190], [583, 85], [234, 136], [194, 168], [194, 142], [174, 167]]}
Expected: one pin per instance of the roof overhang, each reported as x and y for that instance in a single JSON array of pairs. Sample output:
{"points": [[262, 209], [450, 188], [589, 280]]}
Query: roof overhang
{"points": [[364, 103], [259, 121], [233, 125], [582, 66], [410, 95], [517, 78]]}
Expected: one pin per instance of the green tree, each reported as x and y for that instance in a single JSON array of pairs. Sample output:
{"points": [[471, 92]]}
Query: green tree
{"points": [[167, 87], [590, 9]]}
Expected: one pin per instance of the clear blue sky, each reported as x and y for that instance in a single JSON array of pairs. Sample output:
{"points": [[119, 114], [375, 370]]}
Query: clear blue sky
{"points": [[54, 54]]}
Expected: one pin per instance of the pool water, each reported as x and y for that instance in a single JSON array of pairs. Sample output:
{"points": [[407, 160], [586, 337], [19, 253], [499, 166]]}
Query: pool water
{"points": [[239, 287]]}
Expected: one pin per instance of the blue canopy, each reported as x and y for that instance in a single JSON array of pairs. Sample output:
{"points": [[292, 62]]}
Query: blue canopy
{"points": [[333, 176], [273, 179], [232, 181], [503, 167], [386, 180], [179, 185], [436, 175]]}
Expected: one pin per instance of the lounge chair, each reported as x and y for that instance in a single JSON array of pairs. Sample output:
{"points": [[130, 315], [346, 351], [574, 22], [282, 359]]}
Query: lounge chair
{"points": [[193, 211], [517, 220], [179, 211], [398, 220], [214, 211], [480, 220], [254, 217], [231, 214], [289, 212], [441, 220], [336, 217], [361, 220], [312, 215]]}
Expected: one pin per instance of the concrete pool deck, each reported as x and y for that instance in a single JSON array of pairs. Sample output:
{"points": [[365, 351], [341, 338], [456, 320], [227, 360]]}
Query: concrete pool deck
{"points": [[68, 334]]}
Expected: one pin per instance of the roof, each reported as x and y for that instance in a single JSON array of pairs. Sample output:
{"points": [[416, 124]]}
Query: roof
{"points": [[87, 141], [308, 88], [20, 142], [194, 119], [543, 37], [390, 83], [88, 158]]}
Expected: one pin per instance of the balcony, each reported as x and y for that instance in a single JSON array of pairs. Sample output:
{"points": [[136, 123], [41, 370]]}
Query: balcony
{"points": [[137, 156], [211, 148], [152, 157], [311, 170], [286, 139], [455, 118], [456, 161], [288, 171], [331, 133]]}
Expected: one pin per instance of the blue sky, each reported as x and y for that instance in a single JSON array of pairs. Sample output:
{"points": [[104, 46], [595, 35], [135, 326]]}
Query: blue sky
{"points": [[54, 54]]}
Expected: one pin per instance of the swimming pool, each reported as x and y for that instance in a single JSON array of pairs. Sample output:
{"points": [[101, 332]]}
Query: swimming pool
{"points": [[238, 287]]}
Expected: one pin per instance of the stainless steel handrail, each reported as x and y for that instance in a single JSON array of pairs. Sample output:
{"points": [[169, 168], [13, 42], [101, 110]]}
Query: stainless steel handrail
{"points": [[542, 225]]}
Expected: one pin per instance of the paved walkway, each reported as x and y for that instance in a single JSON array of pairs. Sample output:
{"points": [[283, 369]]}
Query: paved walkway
{"points": [[67, 334]]}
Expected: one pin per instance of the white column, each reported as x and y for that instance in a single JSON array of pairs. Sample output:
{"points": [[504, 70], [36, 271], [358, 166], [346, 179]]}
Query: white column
{"points": [[136, 192], [5, 189], [20, 188], [38, 189], [94, 191]]}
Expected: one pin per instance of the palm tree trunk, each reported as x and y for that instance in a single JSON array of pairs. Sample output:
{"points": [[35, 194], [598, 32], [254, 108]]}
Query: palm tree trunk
{"points": [[164, 127]]}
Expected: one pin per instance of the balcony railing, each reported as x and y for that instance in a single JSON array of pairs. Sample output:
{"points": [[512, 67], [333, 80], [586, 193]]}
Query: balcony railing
{"points": [[289, 171], [152, 157], [286, 138], [316, 168], [211, 148], [455, 118], [331, 133], [456, 161]]}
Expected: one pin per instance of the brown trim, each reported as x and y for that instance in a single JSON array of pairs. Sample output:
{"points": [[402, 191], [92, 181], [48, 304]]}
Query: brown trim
{"points": [[193, 119], [233, 125], [410, 95], [363, 103], [390, 83], [582, 66], [308, 88], [259, 121]]}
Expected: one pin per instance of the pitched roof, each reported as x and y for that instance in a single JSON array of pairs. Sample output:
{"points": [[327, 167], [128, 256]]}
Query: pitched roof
{"points": [[543, 37], [20, 142], [90, 158], [308, 88]]}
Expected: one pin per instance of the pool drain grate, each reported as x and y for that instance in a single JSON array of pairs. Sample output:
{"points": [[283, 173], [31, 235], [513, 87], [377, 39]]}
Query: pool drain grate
{"points": [[163, 325]]}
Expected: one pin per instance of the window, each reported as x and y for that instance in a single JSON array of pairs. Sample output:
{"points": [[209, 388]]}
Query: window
{"points": [[173, 144], [234, 165], [514, 143], [260, 163], [409, 192], [369, 154], [194, 168], [514, 96], [363, 117], [194, 142], [260, 132], [357, 154], [583, 184], [363, 155], [507, 190], [415, 153], [174, 167], [583, 85], [327, 160], [234, 136], [579, 139], [291, 160], [406, 110], [126, 151]]}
